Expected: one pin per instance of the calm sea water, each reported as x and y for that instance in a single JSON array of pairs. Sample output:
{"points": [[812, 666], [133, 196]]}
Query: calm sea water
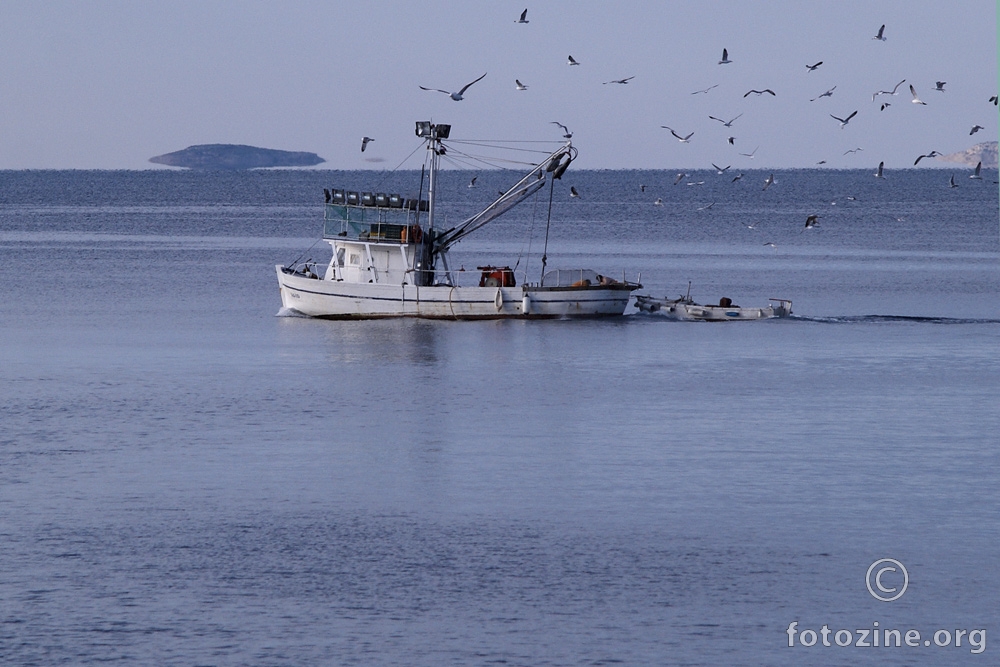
{"points": [[188, 478]]}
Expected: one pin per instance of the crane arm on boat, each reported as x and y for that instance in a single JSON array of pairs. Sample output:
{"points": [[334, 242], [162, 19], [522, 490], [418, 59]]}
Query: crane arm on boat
{"points": [[522, 190]]}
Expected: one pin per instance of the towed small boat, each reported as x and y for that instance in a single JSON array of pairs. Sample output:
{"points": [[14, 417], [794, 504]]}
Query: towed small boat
{"points": [[390, 259], [684, 308]]}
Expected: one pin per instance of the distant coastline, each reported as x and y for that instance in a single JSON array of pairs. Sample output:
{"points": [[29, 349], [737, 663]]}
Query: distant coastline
{"points": [[985, 152], [235, 157]]}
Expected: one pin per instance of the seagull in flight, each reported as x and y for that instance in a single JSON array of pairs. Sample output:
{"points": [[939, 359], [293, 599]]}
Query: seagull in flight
{"points": [[727, 123], [854, 150], [828, 93], [750, 154], [567, 134], [725, 58], [737, 177], [975, 174], [888, 92], [885, 105], [706, 90], [680, 177], [812, 221], [570, 60], [976, 128], [720, 170], [994, 100], [879, 36], [472, 183], [931, 154], [621, 81], [760, 92], [915, 100], [455, 96], [524, 17], [812, 68], [681, 139], [364, 143], [952, 183], [519, 85], [939, 86], [769, 181], [705, 208], [573, 192], [844, 121], [878, 174], [732, 141], [658, 202]]}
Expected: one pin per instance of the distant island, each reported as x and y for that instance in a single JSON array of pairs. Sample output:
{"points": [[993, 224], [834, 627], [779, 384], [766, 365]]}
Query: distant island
{"points": [[235, 156], [985, 152]]}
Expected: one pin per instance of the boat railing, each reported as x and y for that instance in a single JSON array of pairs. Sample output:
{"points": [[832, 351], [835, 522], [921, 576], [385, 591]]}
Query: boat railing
{"points": [[374, 222]]}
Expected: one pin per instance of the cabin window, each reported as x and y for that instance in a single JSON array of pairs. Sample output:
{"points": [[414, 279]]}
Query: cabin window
{"points": [[355, 260]]}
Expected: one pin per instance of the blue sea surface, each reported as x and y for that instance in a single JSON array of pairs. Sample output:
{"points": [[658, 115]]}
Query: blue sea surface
{"points": [[191, 476]]}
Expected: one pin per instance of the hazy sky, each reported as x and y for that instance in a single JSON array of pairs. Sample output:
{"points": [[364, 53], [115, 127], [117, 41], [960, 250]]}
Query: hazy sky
{"points": [[109, 84]]}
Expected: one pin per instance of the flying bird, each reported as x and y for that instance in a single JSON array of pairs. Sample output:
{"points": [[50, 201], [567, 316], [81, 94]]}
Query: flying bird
{"points": [[854, 150], [879, 35], [812, 221], [519, 85], [621, 81], [976, 128], [878, 174], [570, 60], [737, 177], [931, 154], [913, 92], [844, 121], [573, 192], [727, 123], [994, 100], [888, 92], [725, 58], [364, 143], [750, 154], [768, 181], [706, 90], [658, 202], [759, 92], [885, 105], [566, 133], [680, 177], [812, 68], [472, 183], [828, 93], [455, 96], [939, 86], [720, 170], [952, 183], [524, 17], [975, 174], [681, 139], [705, 208], [732, 141]]}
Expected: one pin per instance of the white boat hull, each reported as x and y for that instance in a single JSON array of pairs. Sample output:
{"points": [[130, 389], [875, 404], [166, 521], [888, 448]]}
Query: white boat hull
{"points": [[681, 309], [334, 299]]}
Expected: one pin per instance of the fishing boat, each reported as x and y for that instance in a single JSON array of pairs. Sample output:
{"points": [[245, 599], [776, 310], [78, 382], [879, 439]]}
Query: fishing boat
{"points": [[389, 259], [685, 308]]}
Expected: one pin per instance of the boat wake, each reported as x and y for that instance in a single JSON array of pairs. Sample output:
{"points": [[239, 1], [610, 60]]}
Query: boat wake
{"points": [[877, 319], [288, 312]]}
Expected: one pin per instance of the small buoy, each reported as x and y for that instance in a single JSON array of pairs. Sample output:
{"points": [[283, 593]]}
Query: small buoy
{"points": [[526, 304], [499, 300]]}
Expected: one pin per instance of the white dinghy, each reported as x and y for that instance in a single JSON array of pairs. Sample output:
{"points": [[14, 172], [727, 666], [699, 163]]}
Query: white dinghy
{"points": [[684, 308]]}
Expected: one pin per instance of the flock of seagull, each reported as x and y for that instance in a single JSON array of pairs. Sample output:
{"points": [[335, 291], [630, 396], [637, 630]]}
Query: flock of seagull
{"points": [[685, 138]]}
